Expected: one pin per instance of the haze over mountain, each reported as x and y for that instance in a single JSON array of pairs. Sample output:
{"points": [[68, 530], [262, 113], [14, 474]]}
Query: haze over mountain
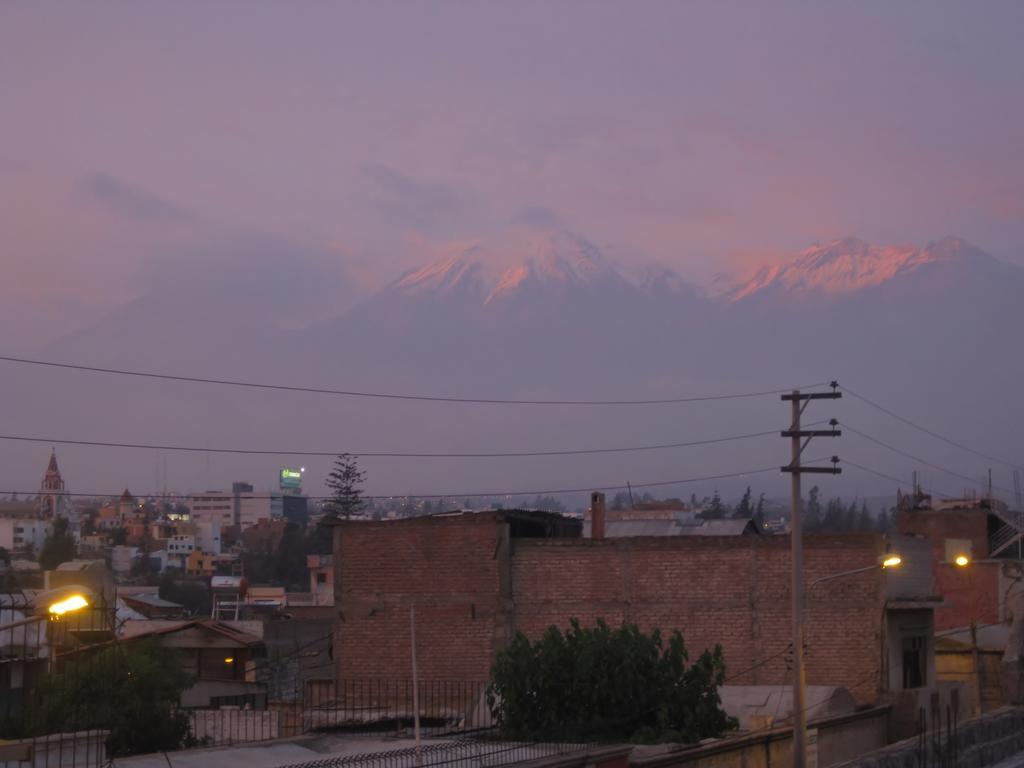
{"points": [[554, 318]]}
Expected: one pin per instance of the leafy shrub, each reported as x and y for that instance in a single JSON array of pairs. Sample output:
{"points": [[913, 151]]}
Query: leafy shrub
{"points": [[603, 683]]}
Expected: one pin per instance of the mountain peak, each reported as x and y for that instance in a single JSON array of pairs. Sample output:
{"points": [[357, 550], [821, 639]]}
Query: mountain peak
{"points": [[462, 270], [849, 265]]}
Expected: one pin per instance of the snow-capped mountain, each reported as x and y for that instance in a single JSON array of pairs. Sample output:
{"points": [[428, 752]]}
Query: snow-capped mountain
{"points": [[849, 266], [542, 268]]}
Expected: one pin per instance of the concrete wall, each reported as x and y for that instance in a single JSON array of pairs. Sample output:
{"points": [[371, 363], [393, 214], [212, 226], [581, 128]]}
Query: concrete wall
{"points": [[981, 742], [217, 727], [834, 740]]}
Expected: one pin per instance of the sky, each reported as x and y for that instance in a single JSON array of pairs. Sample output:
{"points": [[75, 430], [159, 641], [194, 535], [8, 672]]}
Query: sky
{"points": [[319, 150], [706, 136]]}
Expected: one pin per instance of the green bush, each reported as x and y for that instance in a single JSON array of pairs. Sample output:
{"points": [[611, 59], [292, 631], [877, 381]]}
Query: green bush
{"points": [[601, 683], [132, 690]]}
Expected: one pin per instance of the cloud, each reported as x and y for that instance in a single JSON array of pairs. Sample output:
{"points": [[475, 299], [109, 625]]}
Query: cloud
{"points": [[410, 204], [131, 202], [538, 217]]}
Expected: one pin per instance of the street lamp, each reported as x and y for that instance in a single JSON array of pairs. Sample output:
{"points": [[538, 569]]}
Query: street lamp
{"points": [[55, 604], [885, 562], [961, 560]]}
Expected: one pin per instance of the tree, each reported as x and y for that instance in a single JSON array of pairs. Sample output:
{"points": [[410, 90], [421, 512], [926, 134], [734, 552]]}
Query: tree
{"points": [[812, 511], [59, 546], [118, 536], [744, 509], [131, 690], [5, 556], [607, 683], [759, 512], [344, 481], [715, 509], [193, 595], [864, 520], [290, 567]]}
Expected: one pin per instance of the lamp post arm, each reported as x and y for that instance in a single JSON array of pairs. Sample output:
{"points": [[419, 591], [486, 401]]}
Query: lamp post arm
{"points": [[831, 576], [21, 623]]}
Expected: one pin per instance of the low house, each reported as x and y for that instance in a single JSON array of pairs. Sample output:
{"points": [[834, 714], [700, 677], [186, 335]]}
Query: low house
{"points": [[152, 606], [221, 657]]}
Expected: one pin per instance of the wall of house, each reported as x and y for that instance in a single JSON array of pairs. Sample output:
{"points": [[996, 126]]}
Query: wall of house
{"points": [[968, 594], [472, 587], [729, 590], [450, 570]]}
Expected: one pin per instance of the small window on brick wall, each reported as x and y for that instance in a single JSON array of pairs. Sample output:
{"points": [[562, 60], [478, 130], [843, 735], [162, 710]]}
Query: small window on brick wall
{"points": [[955, 547]]}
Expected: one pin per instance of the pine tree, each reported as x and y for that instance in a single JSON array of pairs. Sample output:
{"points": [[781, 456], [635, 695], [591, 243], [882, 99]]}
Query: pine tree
{"points": [[715, 509], [864, 521], [812, 511], [759, 512], [344, 480], [59, 546], [744, 508]]}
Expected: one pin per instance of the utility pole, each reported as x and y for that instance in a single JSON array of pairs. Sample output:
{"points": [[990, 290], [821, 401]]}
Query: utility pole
{"points": [[799, 402], [415, 687]]}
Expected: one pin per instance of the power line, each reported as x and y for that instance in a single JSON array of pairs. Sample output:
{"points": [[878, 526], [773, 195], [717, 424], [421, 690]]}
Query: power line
{"points": [[388, 454], [388, 395], [897, 480], [457, 495], [927, 463], [929, 432]]}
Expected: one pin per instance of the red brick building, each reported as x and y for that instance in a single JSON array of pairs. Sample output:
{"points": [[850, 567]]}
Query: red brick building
{"points": [[477, 578], [983, 532]]}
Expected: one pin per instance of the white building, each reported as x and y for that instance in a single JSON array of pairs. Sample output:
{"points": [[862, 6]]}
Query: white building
{"points": [[240, 506], [207, 536], [122, 558], [18, 535], [216, 506]]}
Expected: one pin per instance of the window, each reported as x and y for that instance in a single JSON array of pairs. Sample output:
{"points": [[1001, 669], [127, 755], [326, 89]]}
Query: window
{"points": [[321, 578], [914, 672], [955, 547]]}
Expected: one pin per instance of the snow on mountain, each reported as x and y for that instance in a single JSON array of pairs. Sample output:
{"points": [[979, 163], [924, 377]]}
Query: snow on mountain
{"points": [[461, 271], [850, 265], [559, 262]]}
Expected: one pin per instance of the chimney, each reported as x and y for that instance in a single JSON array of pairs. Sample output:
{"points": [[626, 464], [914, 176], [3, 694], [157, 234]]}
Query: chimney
{"points": [[597, 515]]}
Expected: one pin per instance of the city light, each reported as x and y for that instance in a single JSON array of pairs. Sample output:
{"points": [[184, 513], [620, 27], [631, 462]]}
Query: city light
{"points": [[892, 561], [68, 605], [962, 561], [229, 660]]}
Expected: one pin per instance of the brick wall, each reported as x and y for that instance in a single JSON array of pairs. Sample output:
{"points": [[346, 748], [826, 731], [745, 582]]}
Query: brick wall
{"points": [[472, 588], [448, 568], [967, 593], [728, 590]]}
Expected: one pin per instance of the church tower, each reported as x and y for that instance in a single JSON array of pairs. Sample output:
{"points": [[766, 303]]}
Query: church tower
{"points": [[51, 492]]}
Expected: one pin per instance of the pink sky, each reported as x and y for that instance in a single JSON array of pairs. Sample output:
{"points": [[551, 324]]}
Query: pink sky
{"points": [[708, 136]]}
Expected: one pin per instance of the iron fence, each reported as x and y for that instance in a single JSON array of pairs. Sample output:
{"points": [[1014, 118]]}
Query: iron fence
{"points": [[61, 678], [939, 747], [468, 753], [371, 706]]}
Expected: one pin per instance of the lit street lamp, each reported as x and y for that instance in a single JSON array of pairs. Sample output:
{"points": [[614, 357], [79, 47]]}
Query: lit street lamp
{"points": [[55, 604], [885, 562]]}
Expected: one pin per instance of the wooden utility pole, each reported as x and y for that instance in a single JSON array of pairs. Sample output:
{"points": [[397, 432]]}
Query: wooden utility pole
{"points": [[799, 402], [415, 688]]}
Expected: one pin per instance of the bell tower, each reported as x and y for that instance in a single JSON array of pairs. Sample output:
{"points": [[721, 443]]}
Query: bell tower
{"points": [[51, 492]]}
